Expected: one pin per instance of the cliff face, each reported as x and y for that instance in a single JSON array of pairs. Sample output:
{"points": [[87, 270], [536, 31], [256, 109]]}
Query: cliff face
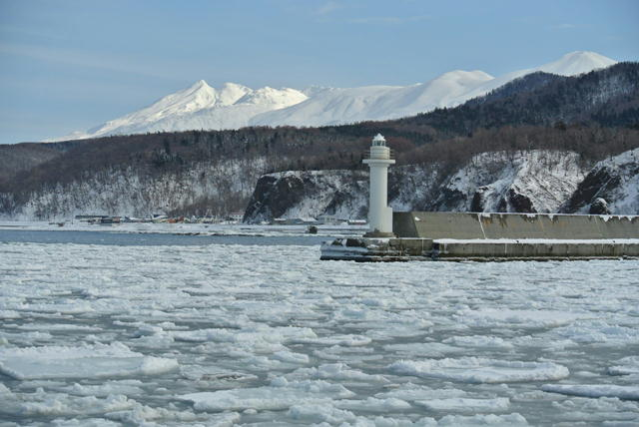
{"points": [[337, 193], [203, 188], [529, 181], [611, 186], [532, 181], [298, 194]]}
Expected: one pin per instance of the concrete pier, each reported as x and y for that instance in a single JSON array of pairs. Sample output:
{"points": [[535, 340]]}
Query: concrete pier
{"points": [[484, 237]]}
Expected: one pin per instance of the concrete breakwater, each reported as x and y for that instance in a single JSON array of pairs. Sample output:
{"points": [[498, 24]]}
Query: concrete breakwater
{"points": [[481, 236]]}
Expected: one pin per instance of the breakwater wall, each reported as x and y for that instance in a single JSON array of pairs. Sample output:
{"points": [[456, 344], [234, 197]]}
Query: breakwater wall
{"points": [[439, 225], [479, 236]]}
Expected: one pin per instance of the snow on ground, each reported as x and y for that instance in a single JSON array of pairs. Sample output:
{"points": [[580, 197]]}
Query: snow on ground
{"points": [[224, 334]]}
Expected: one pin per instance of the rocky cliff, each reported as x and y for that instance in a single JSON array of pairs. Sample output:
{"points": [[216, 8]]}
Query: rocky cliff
{"points": [[526, 181], [611, 187], [203, 188]]}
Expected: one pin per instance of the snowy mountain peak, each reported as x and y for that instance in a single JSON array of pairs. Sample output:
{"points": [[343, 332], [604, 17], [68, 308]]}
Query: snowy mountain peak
{"points": [[577, 62], [230, 93], [464, 75], [279, 98], [200, 84]]}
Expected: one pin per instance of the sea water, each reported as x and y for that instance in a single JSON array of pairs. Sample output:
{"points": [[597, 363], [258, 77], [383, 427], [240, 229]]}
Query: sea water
{"points": [[103, 328]]}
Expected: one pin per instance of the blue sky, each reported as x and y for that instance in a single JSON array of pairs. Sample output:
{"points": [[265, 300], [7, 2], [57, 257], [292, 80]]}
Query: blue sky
{"points": [[68, 65]]}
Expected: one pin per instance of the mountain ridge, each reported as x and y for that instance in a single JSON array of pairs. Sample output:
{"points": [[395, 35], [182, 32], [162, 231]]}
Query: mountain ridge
{"points": [[235, 106]]}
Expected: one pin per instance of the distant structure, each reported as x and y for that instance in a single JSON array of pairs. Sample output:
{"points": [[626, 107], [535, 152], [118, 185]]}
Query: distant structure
{"points": [[380, 214]]}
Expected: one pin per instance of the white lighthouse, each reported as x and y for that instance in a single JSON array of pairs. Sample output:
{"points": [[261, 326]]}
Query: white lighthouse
{"points": [[380, 215]]}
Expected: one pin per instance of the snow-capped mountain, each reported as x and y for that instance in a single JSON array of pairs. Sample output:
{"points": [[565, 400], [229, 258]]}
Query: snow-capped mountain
{"points": [[198, 107], [234, 106]]}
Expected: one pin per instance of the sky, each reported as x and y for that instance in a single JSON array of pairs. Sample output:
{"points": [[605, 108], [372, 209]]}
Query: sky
{"points": [[68, 65]]}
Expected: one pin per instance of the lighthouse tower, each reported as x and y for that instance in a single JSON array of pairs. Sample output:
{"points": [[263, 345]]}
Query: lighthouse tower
{"points": [[380, 215]]}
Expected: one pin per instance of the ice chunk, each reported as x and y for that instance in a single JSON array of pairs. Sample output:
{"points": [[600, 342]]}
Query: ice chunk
{"points": [[144, 415], [481, 370], [58, 327], [479, 342], [281, 394], [343, 340], [337, 371], [257, 338], [315, 413], [521, 317], [374, 404], [625, 366], [512, 420], [429, 349], [290, 357], [594, 391], [325, 414], [54, 404], [117, 387], [89, 422], [89, 361], [412, 392], [599, 331], [465, 405]]}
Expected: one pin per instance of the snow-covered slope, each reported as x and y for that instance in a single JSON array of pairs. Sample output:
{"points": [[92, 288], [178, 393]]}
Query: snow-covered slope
{"points": [[234, 106], [335, 106], [208, 188], [571, 64], [528, 181], [531, 181], [614, 181]]}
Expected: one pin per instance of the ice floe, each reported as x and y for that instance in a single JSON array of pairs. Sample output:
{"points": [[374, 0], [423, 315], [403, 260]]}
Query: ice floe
{"points": [[481, 370], [465, 405], [90, 361], [594, 391], [479, 342], [487, 317], [281, 394], [511, 420], [337, 371], [271, 335], [41, 403]]}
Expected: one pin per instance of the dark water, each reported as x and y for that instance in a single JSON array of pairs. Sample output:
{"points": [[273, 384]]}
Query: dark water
{"points": [[151, 239]]}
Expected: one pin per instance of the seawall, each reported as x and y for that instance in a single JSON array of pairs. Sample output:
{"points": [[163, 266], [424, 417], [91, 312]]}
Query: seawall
{"points": [[479, 236], [437, 225]]}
